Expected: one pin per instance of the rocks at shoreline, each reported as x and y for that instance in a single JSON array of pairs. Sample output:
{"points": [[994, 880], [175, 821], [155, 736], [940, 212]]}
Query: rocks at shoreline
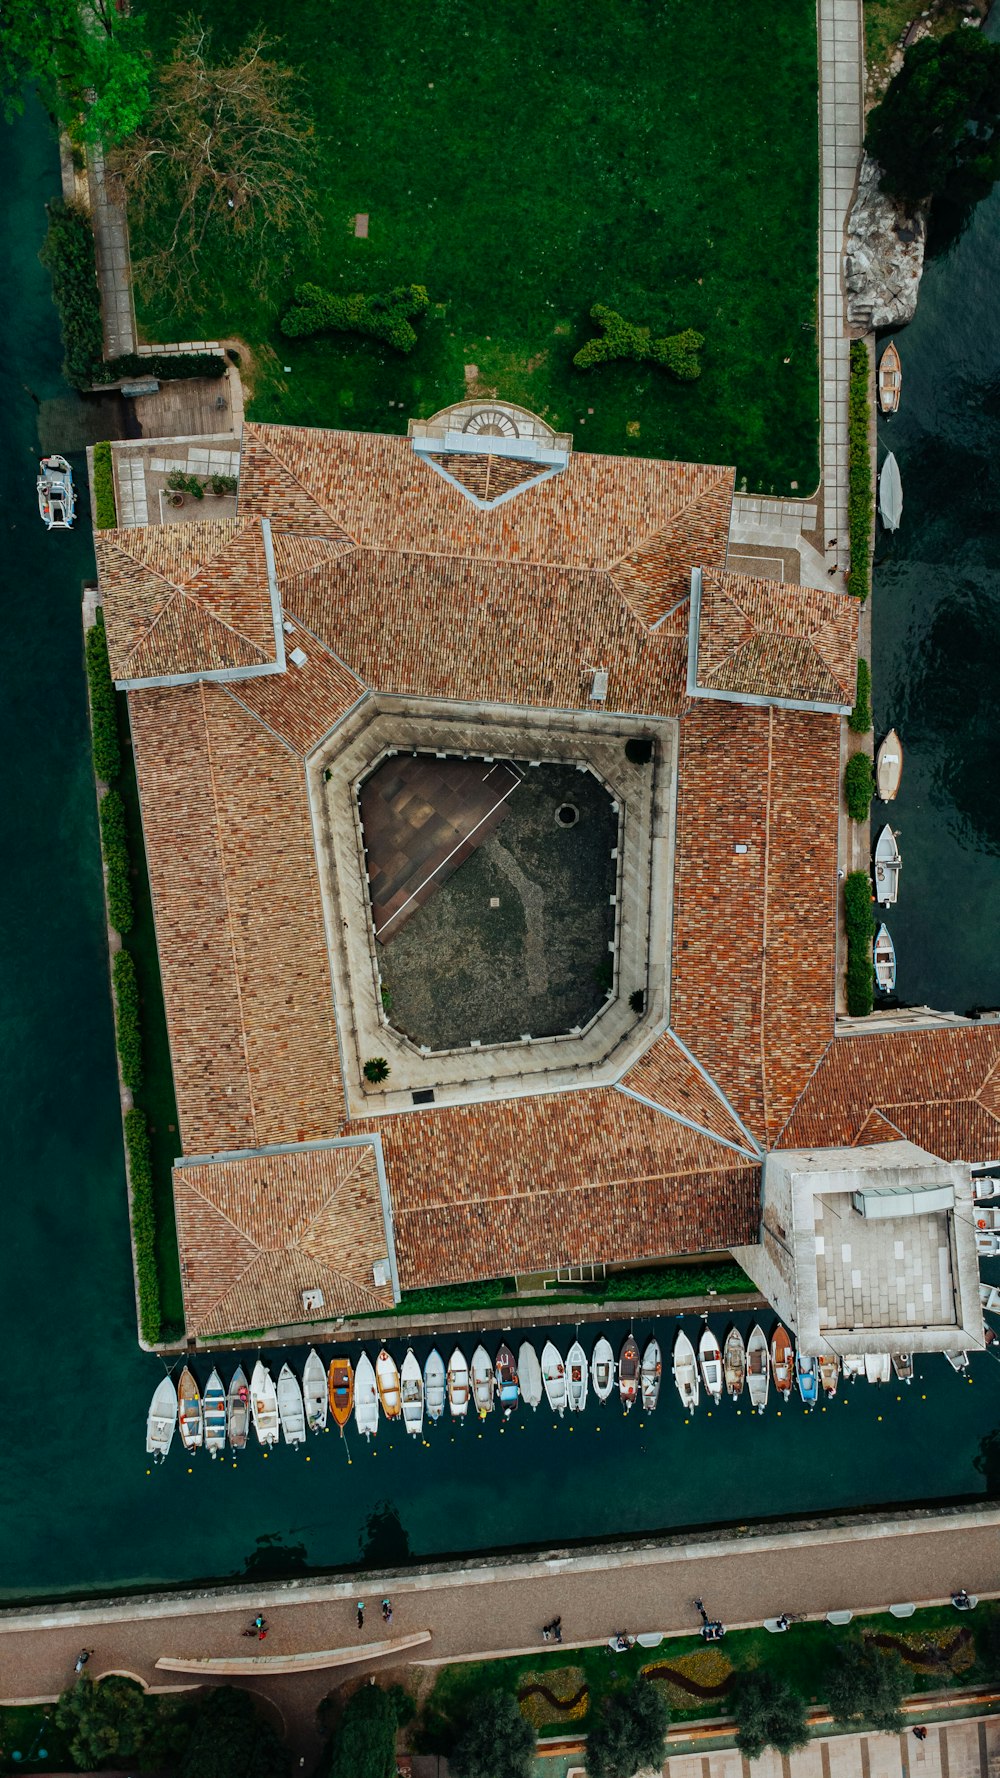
{"points": [[884, 256]]}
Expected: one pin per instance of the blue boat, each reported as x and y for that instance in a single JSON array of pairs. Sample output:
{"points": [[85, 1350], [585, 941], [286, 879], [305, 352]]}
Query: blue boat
{"points": [[807, 1377], [507, 1387]]}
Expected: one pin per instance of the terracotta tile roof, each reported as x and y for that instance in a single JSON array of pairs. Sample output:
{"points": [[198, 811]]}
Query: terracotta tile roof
{"points": [[765, 639], [488, 476], [668, 1076], [302, 704], [255, 1231], [653, 577]]}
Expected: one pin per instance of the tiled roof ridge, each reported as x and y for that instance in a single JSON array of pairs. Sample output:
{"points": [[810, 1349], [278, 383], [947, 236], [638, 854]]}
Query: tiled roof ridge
{"points": [[235, 529], [693, 499], [263, 444], [256, 1251], [233, 691], [687, 1123], [299, 1237], [774, 600], [221, 622], [765, 907], [817, 1065], [173, 594], [224, 879]]}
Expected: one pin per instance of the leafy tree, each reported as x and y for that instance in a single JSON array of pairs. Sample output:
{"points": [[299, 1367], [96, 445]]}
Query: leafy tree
{"points": [[87, 61], [859, 786], [937, 131], [866, 1687], [495, 1741], [364, 1742], [228, 1738], [115, 1721], [768, 1712], [630, 1732], [860, 720]]}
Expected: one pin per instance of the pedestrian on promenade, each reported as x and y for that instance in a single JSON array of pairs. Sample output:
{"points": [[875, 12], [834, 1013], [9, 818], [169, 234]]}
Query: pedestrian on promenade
{"points": [[920, 1732], [82, 1658], [387, 1611], [961, 1600], [557, 1628], [361, 1614]]}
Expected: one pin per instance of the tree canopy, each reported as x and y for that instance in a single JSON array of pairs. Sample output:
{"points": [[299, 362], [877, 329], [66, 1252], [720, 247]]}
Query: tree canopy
{"points": [[86, 59], [116, 1722], [227, 1737], [363, 1744], [629, 1733], [866, 1686], [937, 131], [495, 1740], [768, 1712]]}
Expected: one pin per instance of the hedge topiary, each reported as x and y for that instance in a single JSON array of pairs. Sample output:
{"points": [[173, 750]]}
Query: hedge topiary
{"points": [[166, 367], [104, 488], [676, 352], [103, 716], [116, 859], [860, 719], [860, 489], [859, 924], [68, 255], [127, 1020], [381, 317], [859, 786], [143, 1223]]}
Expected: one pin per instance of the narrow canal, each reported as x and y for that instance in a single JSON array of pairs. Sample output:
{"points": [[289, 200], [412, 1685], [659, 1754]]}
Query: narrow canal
{"points": [[79, 1509]]}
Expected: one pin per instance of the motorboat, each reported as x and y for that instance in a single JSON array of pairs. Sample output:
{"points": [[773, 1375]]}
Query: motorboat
{"points": [[887, 866], [852, 1366], [885, 960], [56, 494], [189, 1411], [902, 1364], [161, 1421], [889, 767], [987, 1217], [959, 1361], [985, 1186], [758, 1369], [807, 1378], [435, 1386], [890, 494], [411, 1380], [291, 1408], [685, 1371], [710, 1361], [829, 1372], [877, 1367], [458, 1384], [782, 1361], [387, 1383], [529, 1375], [365, 1397], [734, 1363], [628, 1372], [890, 379], [650, 1375], [340, 1389], [577, 1377], [505, 1379], [554, 1378], [602, 1369], [214, 1406], [264, 1405], [483, 1382], [314, 1393], [238, 1411], [989, 1296], [987, 1243]]}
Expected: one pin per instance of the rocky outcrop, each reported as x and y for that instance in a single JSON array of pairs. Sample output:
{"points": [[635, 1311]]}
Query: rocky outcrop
{"points": [[884, 257]]}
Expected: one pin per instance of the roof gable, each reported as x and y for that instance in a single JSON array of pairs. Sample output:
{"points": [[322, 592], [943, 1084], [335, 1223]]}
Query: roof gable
{"points": [[762, 641]]}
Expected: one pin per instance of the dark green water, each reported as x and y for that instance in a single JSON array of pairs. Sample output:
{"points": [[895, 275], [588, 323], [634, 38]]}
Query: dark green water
{"points": [[78, 1510]]}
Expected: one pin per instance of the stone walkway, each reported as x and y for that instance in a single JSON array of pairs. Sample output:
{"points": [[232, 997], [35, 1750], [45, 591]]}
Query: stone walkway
{"points": [[113, 270], [969, 1748]]}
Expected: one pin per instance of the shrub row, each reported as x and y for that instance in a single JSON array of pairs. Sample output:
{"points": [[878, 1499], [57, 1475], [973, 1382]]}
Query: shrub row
{"points": [[143, 1223], [676, 352], [116, 859], [859, 922], [68, 255], [382, 317], [103, 717], [859, 786], [104, 489], [860, 494], [860, 719], [126, 984], [166, 367]]}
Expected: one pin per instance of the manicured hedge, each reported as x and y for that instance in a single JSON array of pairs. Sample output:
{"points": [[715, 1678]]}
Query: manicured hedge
{"points": [[166, 367], [104, 487], [860, 491], [859, 922], [382, 317], [859, 786], [127, 1019], [103, 719], [676, 352], [860, 719], [115, 844], [143, 1223], [68, 254]]}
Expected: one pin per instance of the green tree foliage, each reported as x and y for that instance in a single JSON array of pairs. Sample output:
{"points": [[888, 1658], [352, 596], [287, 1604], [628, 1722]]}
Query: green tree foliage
{"points": [[859, 922], [376, 1069], [229, 1738], [143, 1223], [87, 61], [114, 843], [860, 484], [363, 1744], [676, 352], [129, 1034], [629, 1733], [104, 488], [937, 131], [68, 254], [860, 719], [768, 1712], [115, 1723], [494, 1741], [859, 786], [103, 714], [866, 1686], [385, 317]]}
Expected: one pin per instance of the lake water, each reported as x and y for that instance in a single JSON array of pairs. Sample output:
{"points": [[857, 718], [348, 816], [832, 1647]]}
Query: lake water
{"points": [[79, 1509]]}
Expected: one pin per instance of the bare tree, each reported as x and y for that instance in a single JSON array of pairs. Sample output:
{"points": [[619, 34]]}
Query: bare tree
{"points": [[220, 168]]}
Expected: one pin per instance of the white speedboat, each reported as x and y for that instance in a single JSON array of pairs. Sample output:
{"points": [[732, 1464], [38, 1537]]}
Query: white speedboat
{"points": [[314, 1392], [710, 1359], [56, 494], [264, 1404], [685, 1370], [554, 1378], [238, 1410], [650, 1375], [482, 1382], [885, 960], [577, 1377], [189, 1411], [214, 1404], [435, 1385], [734, 1363], [887, 867], [412, 1386], [602, 1369], [161, 1421], [758, 1368], [890, 494], [458, 1384], [529, 1375], [877, 1367], [291, 1409], [365, 1397]]}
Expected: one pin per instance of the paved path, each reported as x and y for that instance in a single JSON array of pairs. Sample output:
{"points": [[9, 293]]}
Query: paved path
{"points": [[966, 1749], [113, 271]]}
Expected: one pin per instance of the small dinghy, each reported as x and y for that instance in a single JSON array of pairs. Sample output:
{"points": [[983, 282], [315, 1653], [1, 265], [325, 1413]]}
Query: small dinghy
{"points": [[214, 1405], [902, 1364], [782, 1361], [458, 1384], [685, 1370], [890, 379], [734, 1363], [577, 1377], [314, 1392], [885, 960], [877, 1365], [959, 1361], [412, 1390], [189, 1411], [890, 494], [291, 1409], [529, 1375], [989, 1296], [508, 1393], [889, 767], [161, 1421], [710, 1360], [435, 1385], [829, 1372], [887, 866], [651, 1375], [602, 1369], [238, 1411], [554, 1378], [340, 1388], [387, 1382], [264, 1405], [987, 1243], [984, 1187], [758, 1369], [807, 1378], [56, 494], [483, 1383], [365, 1397], [628, 1373], [852, 1367], [987, 1217]]}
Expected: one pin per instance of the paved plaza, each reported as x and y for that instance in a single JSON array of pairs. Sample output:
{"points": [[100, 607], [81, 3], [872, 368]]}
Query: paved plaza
{"points": [[966, 1749]]}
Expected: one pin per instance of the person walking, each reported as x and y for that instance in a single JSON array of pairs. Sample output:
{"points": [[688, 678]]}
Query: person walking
{"points": [[387, 1612], [82, 1658], [361, 1614], [920, 1732]]}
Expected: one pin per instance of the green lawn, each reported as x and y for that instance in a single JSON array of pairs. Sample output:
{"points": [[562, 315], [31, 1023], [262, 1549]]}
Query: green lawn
{"points": [[524, 162]]}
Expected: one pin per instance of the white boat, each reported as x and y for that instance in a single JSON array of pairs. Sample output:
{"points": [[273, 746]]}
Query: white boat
{"points": [[902, 1364], [554, 1378], [214, 1404], [889, 767], [885, 960], [238, 1410], [989, 1296], [758, 1369], [291, 1410], [412, 1386], [987, 1243], [435, 1385], [890, 494], [853, 1366], [734, 1363], [365, 1397], [959, 1361], [56, 494], [458, 1384], [161, 1421], [685, 1371], [602, 1369], [829, 1372], [987, 1217], [314, 1392], [985, 1186], [264, 1404], [710, 1359], [577, 1377], [482, 1382], [890, 379], [650, 1375], [189, 1411], [529, 1375], [387, 1384], [887, 866], [877, 1367]]}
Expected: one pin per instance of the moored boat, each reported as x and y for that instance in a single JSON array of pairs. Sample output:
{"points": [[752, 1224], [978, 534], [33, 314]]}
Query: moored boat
{"points": [[829, 1372], [554, 1378], [387, 1383], [987, 1216], [264, 1404], [483, 1382], [852, 1367], [807, 1378], [651, 1375], [458, 1384], [238, 1410], [734, 1363], [291, 1409], [214, 1406], [602, 1369], [340, 1389], [890, 494], [989, 1296], [189, 1411], [365, 1397], [529, 1375], [685, 1369], [782, 1361], [577, 1378], [902, 1364], [758, 1369], [887, 867], [161, 1421], [889, 767], [505, 1373], [435, 1385], [628, 1372], [56, 494], [411, 1382], [877, 1367], [890, 379], [959, 1361], [710, 1360], [314, 1392], [885, 960]]}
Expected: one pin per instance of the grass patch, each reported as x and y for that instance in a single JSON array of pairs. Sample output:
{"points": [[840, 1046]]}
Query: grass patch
{"points": [[523, 163], [725, 1278], [104, 493]]}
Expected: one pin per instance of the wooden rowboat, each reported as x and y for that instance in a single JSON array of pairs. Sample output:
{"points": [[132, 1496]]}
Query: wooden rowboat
{"points": [[890, 379], [889, 767], [885, 960], [387, 1379], [458, 1384], [577, 1377], [734, 1362], [483, 1382], [340, 1387], [710, 1360], [758, 1369], [902, 1364], [628, 1373], [782, 1360], [508, 1392], [829, 1372], [238, 1410], [189, 1411]]}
